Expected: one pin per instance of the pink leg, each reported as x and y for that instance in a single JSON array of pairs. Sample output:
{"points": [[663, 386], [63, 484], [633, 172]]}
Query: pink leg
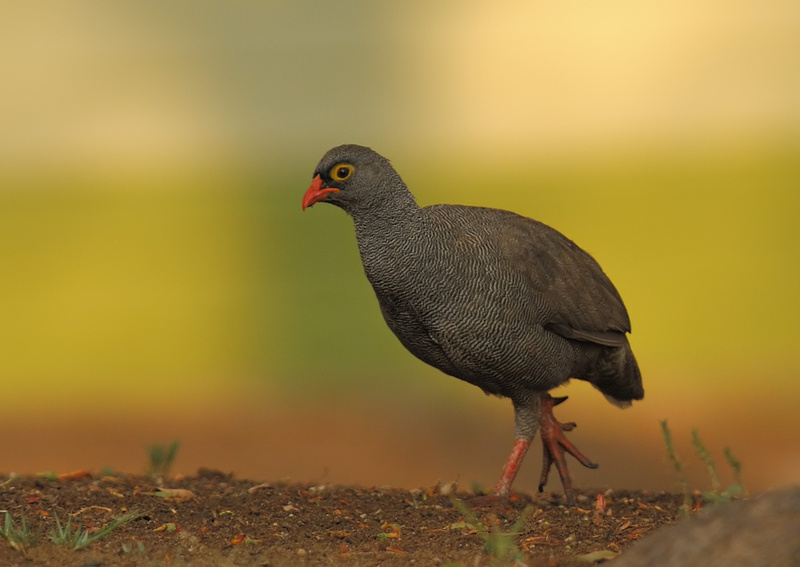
{"points": [[511, 469]]}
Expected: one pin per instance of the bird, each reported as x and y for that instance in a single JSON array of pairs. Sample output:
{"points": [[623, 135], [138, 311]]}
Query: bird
{"points": [[496, 299]]}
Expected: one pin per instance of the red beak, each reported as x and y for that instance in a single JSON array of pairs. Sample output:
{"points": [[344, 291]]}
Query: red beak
{"points": [[316, 192]]}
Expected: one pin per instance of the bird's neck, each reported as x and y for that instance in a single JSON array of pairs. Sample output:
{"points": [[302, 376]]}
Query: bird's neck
{"points": [[385, 215], [388, 234]]}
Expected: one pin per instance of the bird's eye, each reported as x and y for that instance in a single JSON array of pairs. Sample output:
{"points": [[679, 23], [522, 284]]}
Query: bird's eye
{"points": [[341, 172]]}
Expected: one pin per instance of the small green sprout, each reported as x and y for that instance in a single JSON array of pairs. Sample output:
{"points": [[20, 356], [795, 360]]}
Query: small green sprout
{"points": [[716, 494], [72, 535], [19, 537], [162, 457], [497, 543], [679, 467]]}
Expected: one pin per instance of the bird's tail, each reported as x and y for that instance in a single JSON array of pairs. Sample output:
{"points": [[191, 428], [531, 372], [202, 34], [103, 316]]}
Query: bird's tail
{"points": [[619, 378]]}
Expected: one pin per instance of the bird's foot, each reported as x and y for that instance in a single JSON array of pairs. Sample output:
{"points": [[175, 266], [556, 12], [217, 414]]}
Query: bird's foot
{"points": [[555, 444]]}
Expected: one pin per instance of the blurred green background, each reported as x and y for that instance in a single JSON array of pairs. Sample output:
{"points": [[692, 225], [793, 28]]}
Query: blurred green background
{"points": [[155, 263]]}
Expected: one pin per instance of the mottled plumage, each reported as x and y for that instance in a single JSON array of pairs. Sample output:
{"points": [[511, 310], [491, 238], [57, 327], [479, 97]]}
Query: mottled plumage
{"points": [[488, 296]]}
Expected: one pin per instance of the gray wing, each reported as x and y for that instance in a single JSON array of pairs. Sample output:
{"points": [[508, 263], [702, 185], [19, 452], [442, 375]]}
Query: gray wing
{"points": [[583, 303]]}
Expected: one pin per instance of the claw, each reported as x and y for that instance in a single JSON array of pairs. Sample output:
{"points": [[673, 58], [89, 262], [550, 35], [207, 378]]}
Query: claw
{"points": [[555, 444]]}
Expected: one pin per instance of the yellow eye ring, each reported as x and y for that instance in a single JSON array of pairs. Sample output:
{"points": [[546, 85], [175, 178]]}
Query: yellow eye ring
{"points": [[342, 172]]}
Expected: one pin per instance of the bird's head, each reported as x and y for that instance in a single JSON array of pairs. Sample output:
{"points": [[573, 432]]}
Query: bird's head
{"points": [[351, 177]]}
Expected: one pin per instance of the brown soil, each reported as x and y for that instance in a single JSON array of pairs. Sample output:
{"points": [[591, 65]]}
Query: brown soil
{"points": [[215, 519]]}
